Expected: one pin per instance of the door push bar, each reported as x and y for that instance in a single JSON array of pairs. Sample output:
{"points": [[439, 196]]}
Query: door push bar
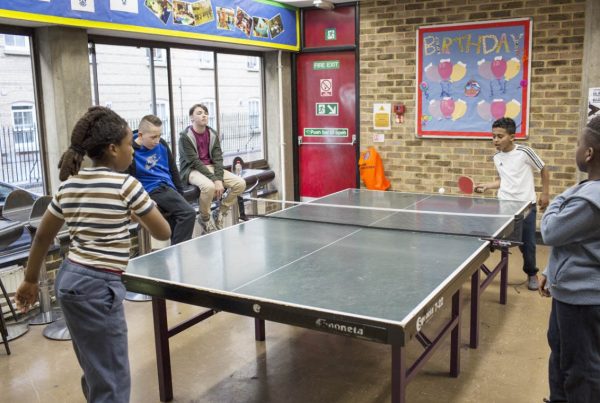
{"points": [[329, 143]]}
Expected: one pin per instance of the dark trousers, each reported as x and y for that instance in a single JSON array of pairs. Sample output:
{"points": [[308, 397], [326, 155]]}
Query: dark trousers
{"points": [[178, 213], [528, 239], [574, 365]]}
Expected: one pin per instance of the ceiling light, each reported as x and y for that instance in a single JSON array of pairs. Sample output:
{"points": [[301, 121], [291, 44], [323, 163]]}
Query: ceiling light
{"points": [[324, 4]]}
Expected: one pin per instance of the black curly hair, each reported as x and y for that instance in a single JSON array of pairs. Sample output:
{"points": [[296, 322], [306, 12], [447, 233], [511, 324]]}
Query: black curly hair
{"points": [[93, 133], [593, 131]]}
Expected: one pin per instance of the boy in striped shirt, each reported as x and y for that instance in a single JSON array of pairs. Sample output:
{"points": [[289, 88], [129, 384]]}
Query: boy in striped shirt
{"points": [[516, 165]]}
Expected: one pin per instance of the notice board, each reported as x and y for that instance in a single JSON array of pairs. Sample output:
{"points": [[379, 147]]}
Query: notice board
{"points": [[469, 75]]}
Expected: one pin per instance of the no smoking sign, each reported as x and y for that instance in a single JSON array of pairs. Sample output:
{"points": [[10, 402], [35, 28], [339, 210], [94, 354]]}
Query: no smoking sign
{"points": [[326, 87]]}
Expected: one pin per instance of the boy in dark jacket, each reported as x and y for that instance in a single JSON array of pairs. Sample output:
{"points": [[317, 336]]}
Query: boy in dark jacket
{"points": [[571, 225], [154, 166], [201, 162]]}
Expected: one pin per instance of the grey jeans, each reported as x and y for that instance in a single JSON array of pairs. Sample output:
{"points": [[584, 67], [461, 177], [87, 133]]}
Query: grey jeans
{"points": [[92, 304]]}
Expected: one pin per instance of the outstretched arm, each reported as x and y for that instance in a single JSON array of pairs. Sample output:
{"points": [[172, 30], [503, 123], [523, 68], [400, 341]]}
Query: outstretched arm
{"points": [[482, 187], [27, 293], [544, 197]]}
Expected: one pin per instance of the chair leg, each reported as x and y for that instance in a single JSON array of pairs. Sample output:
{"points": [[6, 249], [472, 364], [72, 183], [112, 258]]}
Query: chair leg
{"points": [[4, 332], [10, 305]]}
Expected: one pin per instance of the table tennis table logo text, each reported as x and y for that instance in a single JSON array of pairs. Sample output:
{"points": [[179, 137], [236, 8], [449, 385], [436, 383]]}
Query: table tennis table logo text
{"points": [[421, 320], [348, 329]]}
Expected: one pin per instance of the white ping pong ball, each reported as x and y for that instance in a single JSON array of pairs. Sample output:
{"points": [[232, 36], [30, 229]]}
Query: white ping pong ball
{"points": [[441, 191]]}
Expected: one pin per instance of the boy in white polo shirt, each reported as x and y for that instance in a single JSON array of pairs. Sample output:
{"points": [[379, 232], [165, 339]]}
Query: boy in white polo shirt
{"points": [[516, 165]]}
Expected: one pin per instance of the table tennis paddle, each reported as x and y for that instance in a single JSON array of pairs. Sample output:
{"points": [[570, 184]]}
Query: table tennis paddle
{"points": [[466, 185]]}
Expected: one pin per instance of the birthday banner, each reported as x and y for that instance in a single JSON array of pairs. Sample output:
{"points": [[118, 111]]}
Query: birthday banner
{"points": [[469, 75], [249, 22]]}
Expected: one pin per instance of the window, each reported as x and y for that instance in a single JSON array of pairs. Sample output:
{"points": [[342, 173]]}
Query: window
{"points": [[162, 111], [252, 63], [254, 115], [23, 123], [240, 102], [16, 44], [159, 54], [207, 60], [235, 106], [212, 112]]}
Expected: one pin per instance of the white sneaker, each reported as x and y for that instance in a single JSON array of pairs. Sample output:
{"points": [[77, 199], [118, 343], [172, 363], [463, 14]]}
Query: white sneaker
{"points": [[218, 216], [207, 226]]}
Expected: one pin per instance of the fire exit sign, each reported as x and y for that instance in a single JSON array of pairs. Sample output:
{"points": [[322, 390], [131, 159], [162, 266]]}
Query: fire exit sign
{"points": [[327, 109], [330, 34]]}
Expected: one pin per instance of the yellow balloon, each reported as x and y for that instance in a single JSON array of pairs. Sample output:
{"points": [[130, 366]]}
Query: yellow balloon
{"points": [[458, 72], [513, 66], [460, 107], [513, 108]]}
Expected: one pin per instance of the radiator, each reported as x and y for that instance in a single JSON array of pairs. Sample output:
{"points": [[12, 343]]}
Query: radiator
{"points": [[11, 278]]}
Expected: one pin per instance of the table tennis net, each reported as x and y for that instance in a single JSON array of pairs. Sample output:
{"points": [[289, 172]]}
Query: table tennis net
{"points": [[450, 223]]}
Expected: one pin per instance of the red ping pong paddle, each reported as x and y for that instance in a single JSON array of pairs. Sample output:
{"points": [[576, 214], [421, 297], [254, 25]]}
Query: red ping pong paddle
{"points": [[466, 184]]}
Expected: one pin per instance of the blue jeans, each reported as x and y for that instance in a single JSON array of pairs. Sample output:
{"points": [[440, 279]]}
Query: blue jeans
{"points": [[528, 239], [574, 364], [92, 304]]}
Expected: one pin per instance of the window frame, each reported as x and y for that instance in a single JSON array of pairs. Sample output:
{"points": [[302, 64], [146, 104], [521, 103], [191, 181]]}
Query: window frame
{"points": [[98, 39]]}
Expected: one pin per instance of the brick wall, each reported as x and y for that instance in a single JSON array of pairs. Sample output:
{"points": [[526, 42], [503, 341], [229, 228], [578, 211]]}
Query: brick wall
{"points": [[387, 74]]}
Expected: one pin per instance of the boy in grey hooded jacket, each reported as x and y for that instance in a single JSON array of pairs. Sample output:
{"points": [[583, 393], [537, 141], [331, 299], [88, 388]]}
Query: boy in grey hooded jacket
{"points": [[571, 225]]}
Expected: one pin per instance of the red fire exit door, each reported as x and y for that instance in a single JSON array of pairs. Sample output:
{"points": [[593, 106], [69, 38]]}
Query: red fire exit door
{"points": [[327, 137]]}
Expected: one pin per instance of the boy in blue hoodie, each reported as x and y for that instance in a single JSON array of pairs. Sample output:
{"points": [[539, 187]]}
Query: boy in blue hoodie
{"points": [[154, 166], [571, 225]]}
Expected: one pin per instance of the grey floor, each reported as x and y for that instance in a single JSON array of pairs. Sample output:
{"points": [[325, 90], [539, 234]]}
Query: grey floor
{"points": [[219, 361]]}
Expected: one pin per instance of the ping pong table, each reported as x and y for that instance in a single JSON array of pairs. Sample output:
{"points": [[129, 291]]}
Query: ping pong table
{"points": [[378, 266]]}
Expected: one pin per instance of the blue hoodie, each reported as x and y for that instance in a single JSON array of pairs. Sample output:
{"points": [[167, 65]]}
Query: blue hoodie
{"points": [[571, 225]]}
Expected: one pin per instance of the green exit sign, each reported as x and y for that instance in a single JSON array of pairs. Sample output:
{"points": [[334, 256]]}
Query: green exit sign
{"points": [[326, 65], [327, 109], [330, 34]]}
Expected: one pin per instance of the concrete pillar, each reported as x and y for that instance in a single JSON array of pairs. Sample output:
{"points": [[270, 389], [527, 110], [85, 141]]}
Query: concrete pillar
{"points": [[64, 76], [279, 121], [590, 77]]}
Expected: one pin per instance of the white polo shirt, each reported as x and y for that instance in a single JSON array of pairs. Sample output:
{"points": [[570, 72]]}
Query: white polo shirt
{"points": [[516, 169]]}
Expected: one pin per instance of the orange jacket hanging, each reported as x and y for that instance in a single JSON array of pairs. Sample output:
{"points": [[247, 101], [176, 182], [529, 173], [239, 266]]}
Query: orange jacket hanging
{"points": [[371, 170]]}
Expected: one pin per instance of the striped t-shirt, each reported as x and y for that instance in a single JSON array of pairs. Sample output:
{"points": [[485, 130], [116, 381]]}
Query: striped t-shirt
{"points": [[95, 204]]}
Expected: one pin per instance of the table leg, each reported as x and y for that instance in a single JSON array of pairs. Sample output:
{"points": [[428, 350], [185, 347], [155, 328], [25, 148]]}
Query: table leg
{"points": [[475, 296], [163, 354], [504, 276], [259, 329], [455, 336], [398, 374]]}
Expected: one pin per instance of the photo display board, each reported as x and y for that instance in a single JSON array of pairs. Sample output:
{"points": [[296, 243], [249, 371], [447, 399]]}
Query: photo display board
{"points": [[469, 75], [249, 22]]}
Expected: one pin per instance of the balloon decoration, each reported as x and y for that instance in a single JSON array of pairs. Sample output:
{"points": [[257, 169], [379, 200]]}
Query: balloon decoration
{"points": [[432, 73], [447, 107], [513, 66], [460, 107], [513, 108], [484, 111], [498, 108], [434, 109], [458, 72]]}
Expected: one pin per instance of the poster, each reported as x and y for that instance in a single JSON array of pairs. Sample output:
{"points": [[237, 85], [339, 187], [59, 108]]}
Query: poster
{"points": [[243, 22], [593, 103], [381, 116], [469, 75]]}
